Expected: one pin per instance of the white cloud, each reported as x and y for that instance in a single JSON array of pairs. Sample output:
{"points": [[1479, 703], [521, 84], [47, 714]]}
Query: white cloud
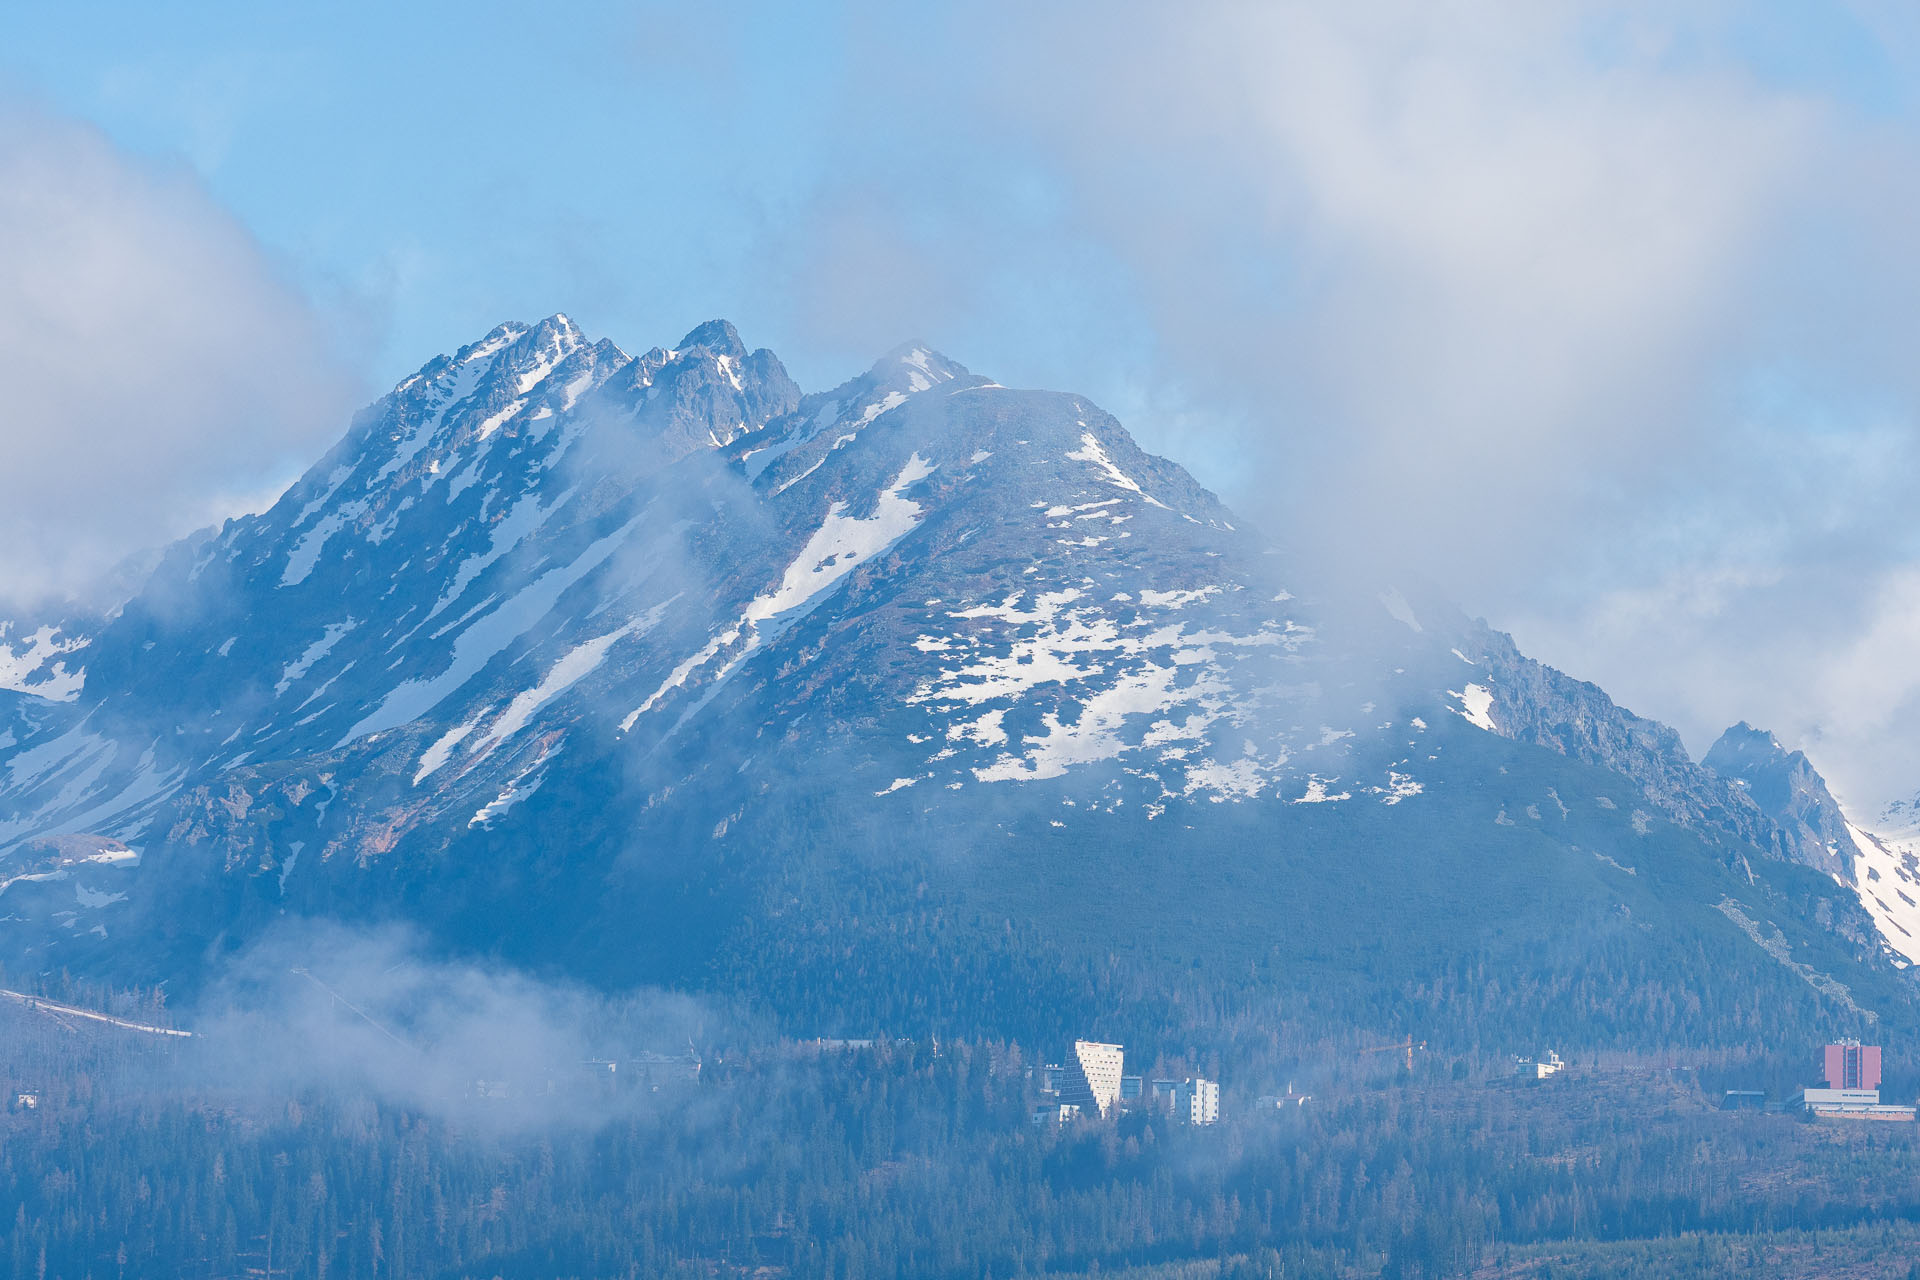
{"points": [[157, 372], [1571, 306], [1427, 249], [1867, 695]]}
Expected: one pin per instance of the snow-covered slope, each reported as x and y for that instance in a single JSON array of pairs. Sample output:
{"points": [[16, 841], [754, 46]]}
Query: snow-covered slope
{"points": [[1887, 867]]}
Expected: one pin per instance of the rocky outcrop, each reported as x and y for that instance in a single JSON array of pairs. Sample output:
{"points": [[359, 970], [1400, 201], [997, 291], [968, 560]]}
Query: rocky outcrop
{"points": [[1787, 788], [1534, 703]]}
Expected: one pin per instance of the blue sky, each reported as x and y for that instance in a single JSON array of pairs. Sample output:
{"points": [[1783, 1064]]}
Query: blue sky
{"points": [[435, 169], [1595, 313], [424, 172]]}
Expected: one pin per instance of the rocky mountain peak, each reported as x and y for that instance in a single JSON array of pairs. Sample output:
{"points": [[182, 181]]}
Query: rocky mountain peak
{"points": [[717, 337], [913, 367], [1743, 741], [1788, 789]]}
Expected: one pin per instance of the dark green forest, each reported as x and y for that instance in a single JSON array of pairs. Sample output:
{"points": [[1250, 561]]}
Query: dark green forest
{"points": [[920, 1159], [264, 1147]]}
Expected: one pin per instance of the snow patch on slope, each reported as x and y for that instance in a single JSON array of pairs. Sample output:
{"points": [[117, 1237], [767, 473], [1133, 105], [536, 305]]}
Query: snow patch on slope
{"points": [[522, 519], [451, 387], [574, 666], [441, 751], [1476, 706], [892, 400], [1317, 793], [306, 552], [1887, 878], [1150, 688], [1400, 611], [296, 670], [513, 793], [491, 633], [840, 545], [1090, 451], [31, 664]]}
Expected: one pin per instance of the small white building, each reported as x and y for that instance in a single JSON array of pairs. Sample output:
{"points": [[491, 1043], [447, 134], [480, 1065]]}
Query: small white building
{"points": [[1195, 1099], [1853, 1103], [1547, 1064]]}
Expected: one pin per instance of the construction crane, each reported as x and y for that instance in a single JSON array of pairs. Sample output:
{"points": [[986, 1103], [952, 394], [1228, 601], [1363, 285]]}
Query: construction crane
{"points": [[1406, 1046]]}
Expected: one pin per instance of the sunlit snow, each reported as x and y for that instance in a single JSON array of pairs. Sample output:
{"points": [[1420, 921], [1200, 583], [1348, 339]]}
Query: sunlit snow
{"points": [[1476, 706], [296, 670], [30, 664], [1090, 451], [1317, 793], [1887, 878], [841, 544], [487, 636]]}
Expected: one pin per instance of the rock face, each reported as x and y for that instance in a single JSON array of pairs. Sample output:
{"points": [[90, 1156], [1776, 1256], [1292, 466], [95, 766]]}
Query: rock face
{"points": [[559, 640], [1785, 787], [1542, 706]]}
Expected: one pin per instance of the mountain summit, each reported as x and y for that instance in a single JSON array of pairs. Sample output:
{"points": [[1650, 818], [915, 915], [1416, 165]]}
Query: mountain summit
{"points": [[652, 668], [1788, 789]]}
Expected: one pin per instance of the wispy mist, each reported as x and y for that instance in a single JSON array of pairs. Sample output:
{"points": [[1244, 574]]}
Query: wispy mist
{"points": [[160, 373], [373, 1011], [1591, 313]]}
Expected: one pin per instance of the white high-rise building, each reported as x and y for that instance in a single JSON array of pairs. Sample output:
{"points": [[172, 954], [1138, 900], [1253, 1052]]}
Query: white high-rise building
{"points": [[1203, 1101], [1099, 1067]]}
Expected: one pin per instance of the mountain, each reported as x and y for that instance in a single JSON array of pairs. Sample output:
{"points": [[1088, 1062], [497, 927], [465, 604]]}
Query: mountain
{"points": [[918, 701], [1882, 867]]}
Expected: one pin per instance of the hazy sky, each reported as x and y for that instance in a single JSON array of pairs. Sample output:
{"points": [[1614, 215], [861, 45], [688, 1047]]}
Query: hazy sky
{"points": [[1600, 315]]}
